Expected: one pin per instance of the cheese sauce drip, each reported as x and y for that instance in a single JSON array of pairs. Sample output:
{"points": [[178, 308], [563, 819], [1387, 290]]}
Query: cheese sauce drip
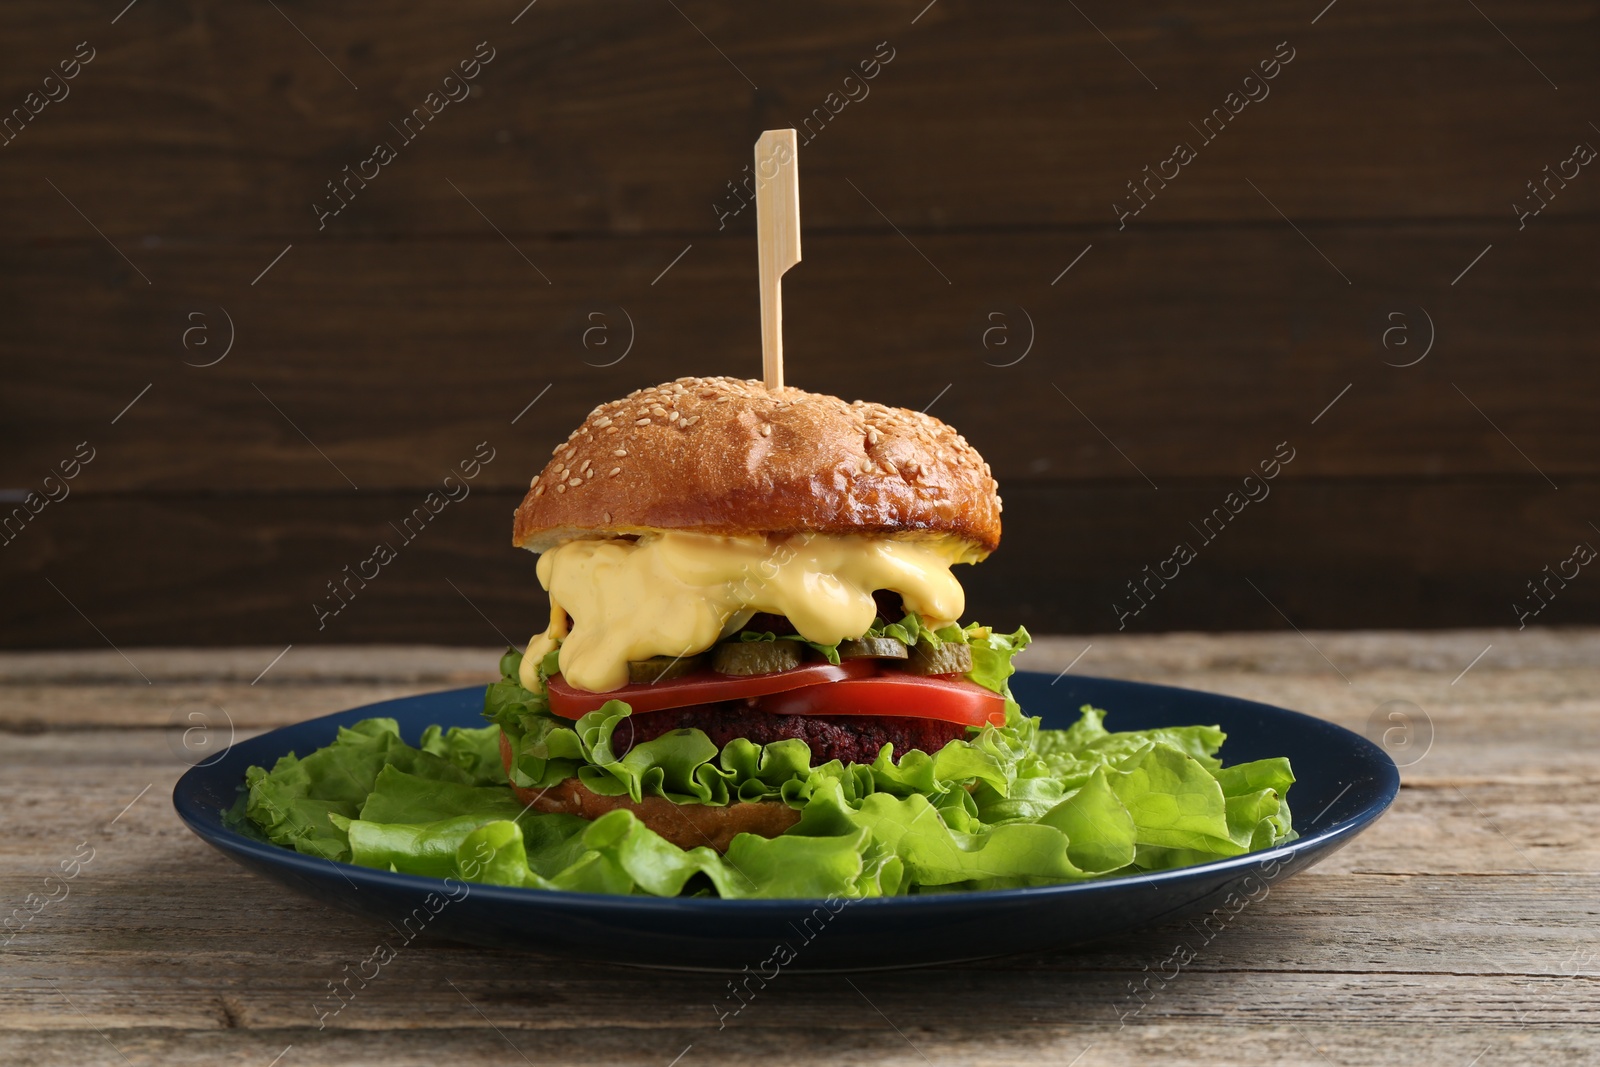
{"points": [[675, 593]]}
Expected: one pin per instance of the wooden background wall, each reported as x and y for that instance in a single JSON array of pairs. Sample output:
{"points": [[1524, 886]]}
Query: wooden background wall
{"points": [[173, 189]]}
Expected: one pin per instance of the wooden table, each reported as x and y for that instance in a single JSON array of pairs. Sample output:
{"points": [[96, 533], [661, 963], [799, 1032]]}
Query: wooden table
{"points": [[1464, 928]]}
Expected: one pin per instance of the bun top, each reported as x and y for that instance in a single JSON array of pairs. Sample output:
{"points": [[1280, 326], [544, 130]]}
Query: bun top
{"points": [[726, 456]]}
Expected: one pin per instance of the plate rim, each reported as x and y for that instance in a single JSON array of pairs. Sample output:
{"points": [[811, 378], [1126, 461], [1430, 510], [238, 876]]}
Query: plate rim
{"points": [[209, 827]]}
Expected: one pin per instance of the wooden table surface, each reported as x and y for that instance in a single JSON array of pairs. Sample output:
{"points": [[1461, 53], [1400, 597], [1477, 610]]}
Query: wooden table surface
{"points": [[1464, 928]]}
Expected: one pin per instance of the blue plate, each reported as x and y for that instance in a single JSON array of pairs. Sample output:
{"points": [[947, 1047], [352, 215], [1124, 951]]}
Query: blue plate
{"points": [[1345, 782]]}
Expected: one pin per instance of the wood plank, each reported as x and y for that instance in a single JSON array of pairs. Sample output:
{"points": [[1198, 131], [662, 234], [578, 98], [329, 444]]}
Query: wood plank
{"points": [[397, 359], [1329, 555], [1520, 659], [249, 569], [521, 996], [1454, 1037], [625, 118], [373, 664]]}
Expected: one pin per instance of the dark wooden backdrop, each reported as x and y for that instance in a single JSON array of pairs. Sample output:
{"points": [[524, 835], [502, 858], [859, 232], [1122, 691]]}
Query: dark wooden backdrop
{"points": [[986, 156]]}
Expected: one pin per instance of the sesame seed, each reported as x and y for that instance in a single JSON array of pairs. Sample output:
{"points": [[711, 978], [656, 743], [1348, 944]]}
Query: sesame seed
{"points": [[614, 472], [619, 452], [539, 491], [562, 488], [586, 465], [575, 481], [691, 420], [766, 429], [641, 422], [605, 516]]}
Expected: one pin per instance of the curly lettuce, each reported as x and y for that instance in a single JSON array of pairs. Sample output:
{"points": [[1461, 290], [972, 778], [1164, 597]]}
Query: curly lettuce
{"points": [[1005, 806]]}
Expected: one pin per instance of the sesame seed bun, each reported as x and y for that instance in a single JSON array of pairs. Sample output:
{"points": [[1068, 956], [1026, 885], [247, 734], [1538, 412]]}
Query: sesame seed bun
{"points": [[725, 456]]}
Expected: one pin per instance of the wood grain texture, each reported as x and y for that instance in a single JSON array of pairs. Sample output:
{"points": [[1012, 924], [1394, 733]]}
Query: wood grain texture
{"points": [[626, 119], [1194, 352], [1462, 924], [601, 147], [1304, 1044]]}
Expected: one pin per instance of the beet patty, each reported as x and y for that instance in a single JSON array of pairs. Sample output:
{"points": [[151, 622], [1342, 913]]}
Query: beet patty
{"points": [[847, 738]]}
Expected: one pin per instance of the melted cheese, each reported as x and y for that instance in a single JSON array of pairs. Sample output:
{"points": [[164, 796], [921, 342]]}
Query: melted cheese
{"points": [[675, 593], [540, 647]]}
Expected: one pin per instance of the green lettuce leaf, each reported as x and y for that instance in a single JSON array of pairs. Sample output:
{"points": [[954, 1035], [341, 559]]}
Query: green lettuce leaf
{"points": [[292, 803], [476, 751], [1101, 832], [909, 631], [1010, 805]]}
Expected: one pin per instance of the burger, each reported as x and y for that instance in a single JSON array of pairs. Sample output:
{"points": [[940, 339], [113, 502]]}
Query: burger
{"points": [[755, 681], [749, 586]]}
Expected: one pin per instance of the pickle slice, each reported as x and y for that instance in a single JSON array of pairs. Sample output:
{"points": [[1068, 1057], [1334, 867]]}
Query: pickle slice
{"points": [[948, 658], [661, 668], [743, 658], [872, 648]]}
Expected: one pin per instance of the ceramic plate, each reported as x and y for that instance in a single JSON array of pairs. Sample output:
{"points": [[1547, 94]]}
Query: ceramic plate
{"points": [[1344, 783]]}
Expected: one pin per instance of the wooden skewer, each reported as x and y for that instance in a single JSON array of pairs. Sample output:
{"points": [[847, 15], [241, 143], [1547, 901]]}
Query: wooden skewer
{"points": [[778, 233]]}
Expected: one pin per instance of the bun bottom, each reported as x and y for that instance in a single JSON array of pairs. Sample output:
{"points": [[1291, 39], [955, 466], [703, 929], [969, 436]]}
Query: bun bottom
{"points": [[685, 825]]}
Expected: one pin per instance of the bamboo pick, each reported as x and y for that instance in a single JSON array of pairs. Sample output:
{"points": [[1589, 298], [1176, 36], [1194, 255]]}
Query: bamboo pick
{"points": [[778, 234]]}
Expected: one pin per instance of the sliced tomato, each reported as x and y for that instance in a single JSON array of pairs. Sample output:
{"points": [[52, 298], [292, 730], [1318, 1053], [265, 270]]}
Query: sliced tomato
{"points": [[948, 698], [701, 687]]}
